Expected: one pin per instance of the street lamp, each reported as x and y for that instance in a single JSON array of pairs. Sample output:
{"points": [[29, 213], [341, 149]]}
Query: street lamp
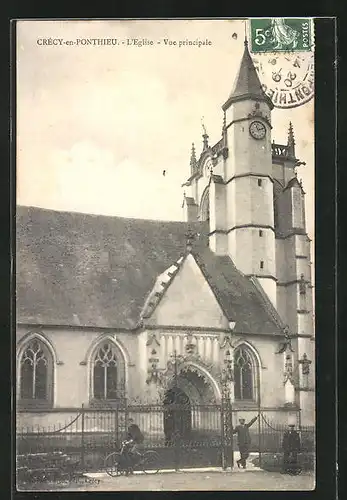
{"points": [[227, 378]]}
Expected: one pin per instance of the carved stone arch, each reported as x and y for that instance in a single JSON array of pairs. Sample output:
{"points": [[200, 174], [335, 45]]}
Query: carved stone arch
{"points": [[208, 377], [42, 337], [186, 383], [254, 351], [112, 338]]}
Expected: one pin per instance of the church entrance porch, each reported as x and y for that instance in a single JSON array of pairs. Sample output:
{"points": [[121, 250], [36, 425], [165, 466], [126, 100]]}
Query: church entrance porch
{"points": [[191, 419]]}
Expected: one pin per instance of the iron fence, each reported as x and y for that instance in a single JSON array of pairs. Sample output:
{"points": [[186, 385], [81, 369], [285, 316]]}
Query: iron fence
{"points": [[184, 435]]}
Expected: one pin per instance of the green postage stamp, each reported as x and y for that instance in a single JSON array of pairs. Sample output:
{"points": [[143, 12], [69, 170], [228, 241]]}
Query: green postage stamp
{"points": [[281, 35]]}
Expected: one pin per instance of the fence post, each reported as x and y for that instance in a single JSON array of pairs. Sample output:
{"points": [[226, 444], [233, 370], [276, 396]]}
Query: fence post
{"points": [[259, 434], [224, 462], [82, 436], [227, 432], [231, 435]]}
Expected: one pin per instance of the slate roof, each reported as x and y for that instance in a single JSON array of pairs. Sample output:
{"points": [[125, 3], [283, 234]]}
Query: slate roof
{"points": [[247, 83], [77, 269]]}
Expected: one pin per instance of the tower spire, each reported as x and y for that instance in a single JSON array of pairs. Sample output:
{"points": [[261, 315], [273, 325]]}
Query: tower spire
{"points": [[291, 141], [246, 40], [247, 83]]}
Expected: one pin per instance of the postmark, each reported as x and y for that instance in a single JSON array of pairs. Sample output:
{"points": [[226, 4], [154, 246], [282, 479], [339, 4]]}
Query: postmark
{"points": [[281, 35], [288, 79]]}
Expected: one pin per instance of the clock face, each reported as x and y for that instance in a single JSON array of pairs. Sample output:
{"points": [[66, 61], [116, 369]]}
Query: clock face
{"points": [[257, 130]]}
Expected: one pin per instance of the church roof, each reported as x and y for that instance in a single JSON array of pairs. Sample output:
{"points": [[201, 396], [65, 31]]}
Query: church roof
{"points": [[77, 269], [247, 83]]}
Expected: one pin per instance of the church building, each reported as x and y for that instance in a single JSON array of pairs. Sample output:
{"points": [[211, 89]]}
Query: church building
{"points": [[108, 307]]}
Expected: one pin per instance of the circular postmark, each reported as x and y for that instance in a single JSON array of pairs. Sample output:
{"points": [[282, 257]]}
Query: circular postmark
{"points": [[287, 78]]}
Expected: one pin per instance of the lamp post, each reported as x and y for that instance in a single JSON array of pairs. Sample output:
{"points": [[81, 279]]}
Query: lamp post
{"points": [[227, 378]]}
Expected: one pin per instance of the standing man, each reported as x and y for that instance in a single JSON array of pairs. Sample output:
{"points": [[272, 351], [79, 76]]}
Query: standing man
{"points": [[291, 447], [243, 440]]}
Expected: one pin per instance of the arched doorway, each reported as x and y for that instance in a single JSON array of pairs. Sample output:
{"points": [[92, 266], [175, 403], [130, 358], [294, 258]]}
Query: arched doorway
{"points": [[191, 416], [177, 415]]}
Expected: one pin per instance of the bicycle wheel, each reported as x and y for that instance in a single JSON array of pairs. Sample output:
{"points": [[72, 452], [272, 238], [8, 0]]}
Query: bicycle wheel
{"points": [[112, 464], [150, 462]]}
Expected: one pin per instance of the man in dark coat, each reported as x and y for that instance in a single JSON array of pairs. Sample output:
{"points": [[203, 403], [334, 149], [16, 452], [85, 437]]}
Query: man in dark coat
{"points": [[243, 440], [291, 447]]}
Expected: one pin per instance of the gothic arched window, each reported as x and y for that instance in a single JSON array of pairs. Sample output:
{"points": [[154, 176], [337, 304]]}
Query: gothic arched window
{"points": [[108, 372], [36, 375], [245, 375]]}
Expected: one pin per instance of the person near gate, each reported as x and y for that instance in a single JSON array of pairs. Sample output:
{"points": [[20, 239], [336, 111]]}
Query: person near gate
{"points": [[243, 440], [135, 438], [291, 447]]}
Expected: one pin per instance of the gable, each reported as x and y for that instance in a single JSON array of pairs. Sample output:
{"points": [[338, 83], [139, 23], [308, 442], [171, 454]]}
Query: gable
{"points": [[189, 301]]}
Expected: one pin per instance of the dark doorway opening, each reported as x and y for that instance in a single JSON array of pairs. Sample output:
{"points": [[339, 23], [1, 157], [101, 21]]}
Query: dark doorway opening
{"points": [[177, 416]]}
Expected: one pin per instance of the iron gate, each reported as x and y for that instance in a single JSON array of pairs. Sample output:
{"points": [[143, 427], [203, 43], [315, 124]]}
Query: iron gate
{"points": [[184, 435]]}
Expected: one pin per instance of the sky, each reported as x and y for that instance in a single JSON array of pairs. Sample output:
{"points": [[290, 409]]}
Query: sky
{"points": [[97, 125]]}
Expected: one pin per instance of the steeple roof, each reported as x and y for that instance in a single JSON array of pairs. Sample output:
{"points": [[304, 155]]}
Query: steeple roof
{"points": [[247, 83]]}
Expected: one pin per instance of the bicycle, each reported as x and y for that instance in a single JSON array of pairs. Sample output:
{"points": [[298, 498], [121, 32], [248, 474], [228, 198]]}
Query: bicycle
{"points": [[120, 462]]}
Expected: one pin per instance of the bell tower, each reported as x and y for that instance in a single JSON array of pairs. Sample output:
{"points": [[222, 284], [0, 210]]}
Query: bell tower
{"points": [[248, 178], [232, 181]]}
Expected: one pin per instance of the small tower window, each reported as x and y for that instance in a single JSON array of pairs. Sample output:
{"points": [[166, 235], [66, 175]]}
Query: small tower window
{"points": [[261, 264], [261, 233], [260, 182]]}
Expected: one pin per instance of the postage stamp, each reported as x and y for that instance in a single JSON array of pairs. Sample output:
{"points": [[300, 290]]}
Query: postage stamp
{"points": [[281, 35]]}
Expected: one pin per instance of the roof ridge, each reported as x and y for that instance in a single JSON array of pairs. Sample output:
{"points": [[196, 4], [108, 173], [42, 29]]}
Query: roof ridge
{"points": [[149, 307], [106, 216]]}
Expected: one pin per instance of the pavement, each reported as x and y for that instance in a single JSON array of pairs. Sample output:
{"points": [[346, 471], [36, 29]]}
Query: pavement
{"points": [[204, 479]]}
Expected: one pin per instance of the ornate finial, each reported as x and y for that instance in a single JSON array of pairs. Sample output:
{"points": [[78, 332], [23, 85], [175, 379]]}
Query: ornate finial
{"points": [[204, 135], [305, 364], [291, 141], [190, 235], [287, 344]]}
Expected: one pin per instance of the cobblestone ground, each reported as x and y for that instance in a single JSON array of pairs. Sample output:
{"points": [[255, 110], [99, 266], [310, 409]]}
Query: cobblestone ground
{"points": [[238, 480]]}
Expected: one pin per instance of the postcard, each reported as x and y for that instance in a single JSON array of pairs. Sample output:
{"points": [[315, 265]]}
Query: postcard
{"points": [[165, 255]]}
